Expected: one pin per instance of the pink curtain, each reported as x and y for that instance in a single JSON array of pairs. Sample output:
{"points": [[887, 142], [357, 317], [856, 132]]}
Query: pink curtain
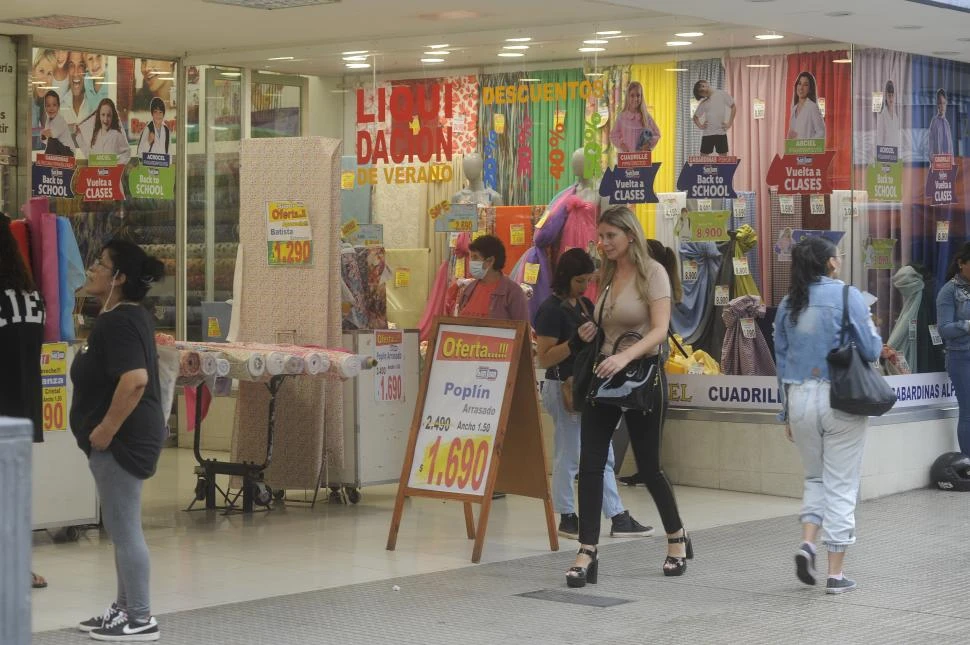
{"points": [[756, 142]]}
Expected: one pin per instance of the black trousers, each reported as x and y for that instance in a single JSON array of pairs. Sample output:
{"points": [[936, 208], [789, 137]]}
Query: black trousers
{"points": [[713, 142], [646, 429]]}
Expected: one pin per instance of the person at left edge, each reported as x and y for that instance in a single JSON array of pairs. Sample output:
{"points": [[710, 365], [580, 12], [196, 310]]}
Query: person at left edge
{"points": [[556, 323], [953, 316], [116, 417], [21, 341], [491, 294]]}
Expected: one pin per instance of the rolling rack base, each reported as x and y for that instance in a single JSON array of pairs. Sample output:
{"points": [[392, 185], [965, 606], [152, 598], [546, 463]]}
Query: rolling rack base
{"points": [[254, 489]]}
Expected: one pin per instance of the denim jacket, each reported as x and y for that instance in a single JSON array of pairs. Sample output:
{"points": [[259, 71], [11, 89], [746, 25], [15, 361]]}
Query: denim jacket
{"points": [[953, 314], [801, 350]]}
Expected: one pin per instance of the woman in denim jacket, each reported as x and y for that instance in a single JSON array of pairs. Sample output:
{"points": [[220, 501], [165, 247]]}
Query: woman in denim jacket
{"points": [[953, 317], [807, 327]]}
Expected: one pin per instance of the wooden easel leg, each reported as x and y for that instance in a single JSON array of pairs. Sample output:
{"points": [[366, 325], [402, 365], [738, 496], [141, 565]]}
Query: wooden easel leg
{"points": [[469, 521], [551, 525], [482, 525], [396, 519]]}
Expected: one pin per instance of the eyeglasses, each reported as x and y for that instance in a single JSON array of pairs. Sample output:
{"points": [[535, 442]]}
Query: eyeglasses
{"points": [[98, 263]]}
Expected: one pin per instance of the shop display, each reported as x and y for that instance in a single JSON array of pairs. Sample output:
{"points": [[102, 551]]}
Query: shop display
{"points": [[745, 351], [911, 334]]}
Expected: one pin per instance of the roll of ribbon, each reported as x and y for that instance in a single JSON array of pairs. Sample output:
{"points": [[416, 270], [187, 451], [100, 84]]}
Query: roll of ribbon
{"points": [[189, 363]]}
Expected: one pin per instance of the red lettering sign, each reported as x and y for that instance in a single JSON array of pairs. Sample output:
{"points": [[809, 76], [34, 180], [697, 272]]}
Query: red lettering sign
{"points": [[801, 174]]}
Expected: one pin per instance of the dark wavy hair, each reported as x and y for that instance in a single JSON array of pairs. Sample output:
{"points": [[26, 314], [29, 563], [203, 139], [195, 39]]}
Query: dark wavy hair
{"points": [[668, 259], [141, 270], [809, 262], [489, 246], [812, 88], [963, 255], [13, 266], [572, 263]]}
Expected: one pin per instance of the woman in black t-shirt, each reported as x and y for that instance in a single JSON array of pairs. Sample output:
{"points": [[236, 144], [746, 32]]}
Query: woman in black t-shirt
{"points": [[556, 322], [116, 416], [21, 338]]}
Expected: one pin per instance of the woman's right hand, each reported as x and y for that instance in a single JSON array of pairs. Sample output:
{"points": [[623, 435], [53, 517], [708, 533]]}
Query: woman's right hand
{"points": [[587, 331]]}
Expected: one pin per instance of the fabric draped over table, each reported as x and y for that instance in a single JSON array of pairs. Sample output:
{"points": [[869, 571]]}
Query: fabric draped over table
{"points": [[742, 355], [299, 302]]}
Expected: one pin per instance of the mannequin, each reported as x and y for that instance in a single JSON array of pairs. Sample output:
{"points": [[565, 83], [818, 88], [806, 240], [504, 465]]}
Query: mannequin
{"points": [[476, 192], [587, 189]]}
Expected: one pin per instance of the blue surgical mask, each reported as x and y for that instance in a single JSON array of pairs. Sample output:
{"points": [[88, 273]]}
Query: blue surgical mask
{"points": [[477, 269]]}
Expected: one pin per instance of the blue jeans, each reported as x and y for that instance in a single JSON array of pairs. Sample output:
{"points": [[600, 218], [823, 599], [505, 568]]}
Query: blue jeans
{"points": [[958, 367], [831, 444], [565, 463]]}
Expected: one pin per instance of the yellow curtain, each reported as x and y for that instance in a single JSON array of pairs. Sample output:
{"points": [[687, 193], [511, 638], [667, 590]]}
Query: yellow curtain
{"points": [[660, 93]]}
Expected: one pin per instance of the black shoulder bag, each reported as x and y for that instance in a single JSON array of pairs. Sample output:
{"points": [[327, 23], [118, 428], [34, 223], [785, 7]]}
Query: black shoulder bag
{"points": [[856, 386], [635, 386]]}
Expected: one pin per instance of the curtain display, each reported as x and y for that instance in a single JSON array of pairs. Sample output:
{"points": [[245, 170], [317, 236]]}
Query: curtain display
{"points": [[689, 135], [545, 116], [660, 96], [513, 185], [745, 351]]}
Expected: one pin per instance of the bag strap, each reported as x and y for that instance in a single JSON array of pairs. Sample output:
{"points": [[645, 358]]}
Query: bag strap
{"points": [[845, 312], [680, 347]]}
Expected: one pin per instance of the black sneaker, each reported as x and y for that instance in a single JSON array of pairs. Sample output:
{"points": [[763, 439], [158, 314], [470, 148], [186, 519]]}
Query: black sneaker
{"points": [[631, 480], [121, 630], [834, 585], [625, 526], [569, 526], [805, 565], [97, 622]]}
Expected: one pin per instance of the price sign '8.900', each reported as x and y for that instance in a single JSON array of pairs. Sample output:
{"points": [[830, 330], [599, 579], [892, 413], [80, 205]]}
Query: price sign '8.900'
{"points": [[709, 227]]}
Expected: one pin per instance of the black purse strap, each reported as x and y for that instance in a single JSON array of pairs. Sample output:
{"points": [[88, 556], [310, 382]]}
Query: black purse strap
{"points": [[845, 313]]}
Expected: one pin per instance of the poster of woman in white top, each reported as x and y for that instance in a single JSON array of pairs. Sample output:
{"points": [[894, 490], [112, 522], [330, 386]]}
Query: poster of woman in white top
{"points": [[107, 135], [155, 137], [806, 119], [889, 132]]}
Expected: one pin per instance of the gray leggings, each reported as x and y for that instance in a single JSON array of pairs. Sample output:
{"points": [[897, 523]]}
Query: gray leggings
{"points": [[120, 495]]}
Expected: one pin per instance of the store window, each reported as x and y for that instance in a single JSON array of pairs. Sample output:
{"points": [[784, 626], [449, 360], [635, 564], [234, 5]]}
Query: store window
{"points": [[104, 139], [277, 108], [214, 104]]}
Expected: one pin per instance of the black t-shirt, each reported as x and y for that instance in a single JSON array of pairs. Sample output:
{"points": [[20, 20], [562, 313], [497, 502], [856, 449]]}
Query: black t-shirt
{"points": [[121, 340], [21, 338], [558, 319]]}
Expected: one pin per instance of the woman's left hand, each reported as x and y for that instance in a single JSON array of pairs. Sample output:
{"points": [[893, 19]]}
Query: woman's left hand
{"points": [[609, 366], [101, 438]]}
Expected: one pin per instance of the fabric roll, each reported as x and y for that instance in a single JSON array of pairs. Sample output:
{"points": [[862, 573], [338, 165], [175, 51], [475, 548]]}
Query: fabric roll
{"points": [[190, 364], [43, 249], [316, 363], [18, 228], [283, 363], [746, 239], [222, 367], [207, 363], [70, 275]]}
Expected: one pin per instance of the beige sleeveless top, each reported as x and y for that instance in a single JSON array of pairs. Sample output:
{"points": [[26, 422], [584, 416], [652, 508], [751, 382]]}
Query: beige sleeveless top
{"points": [[624, 310]]}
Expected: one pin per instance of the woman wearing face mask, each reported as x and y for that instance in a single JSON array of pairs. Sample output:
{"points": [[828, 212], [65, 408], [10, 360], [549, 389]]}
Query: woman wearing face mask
{"points": [[491, 294], [117, 418], [107, 135], [807, 327], [636, 297], [556, 323]]}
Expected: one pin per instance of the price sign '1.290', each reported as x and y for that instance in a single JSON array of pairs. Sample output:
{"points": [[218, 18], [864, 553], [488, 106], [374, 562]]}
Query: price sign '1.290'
{"points": [[461, 412]]}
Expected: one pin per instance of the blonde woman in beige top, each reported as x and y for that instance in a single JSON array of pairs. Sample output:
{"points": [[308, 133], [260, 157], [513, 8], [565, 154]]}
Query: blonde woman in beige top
{"points": [[636, 296]]}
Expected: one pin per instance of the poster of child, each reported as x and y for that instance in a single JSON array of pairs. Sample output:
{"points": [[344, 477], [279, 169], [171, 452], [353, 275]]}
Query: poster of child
{"points": [[784, 244]]}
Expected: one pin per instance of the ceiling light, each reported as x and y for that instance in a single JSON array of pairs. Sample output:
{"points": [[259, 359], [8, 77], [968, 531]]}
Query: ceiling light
{"points": [[281, 58], [438, 52], [838, 14], [432, 60], [678, 43], [759, 65], [457, 14], [676, 69], [48, 87], [609, 33], [593, 74], [437, 46], [592, 49], [354, 53], [690, 34], [769, 36], [761, 0], [529, 80], [230, 74], [908, 27], [510, 54], [271, 5], [515, 47], [95, 78], [355, 58], [842, 61], [524, 39], [596, 41], [358, 65]]}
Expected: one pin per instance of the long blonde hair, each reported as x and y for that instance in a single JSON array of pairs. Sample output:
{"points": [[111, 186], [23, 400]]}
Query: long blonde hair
{"points": [[644, 115], [623, 218]]}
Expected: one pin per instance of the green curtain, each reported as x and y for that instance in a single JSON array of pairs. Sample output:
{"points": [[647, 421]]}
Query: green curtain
{"points": [[543, 113], [513, 187]]}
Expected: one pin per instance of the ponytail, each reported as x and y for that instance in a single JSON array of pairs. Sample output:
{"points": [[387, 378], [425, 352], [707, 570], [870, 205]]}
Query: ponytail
{"points": [[668, 259], [809, 262]]}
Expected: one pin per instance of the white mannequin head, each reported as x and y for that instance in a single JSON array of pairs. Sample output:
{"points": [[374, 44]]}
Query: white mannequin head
{"points": [[579, 163], [472, 166]]}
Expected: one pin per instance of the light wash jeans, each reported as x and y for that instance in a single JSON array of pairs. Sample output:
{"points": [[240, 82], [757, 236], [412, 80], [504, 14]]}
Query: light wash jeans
{"points": [[831, 444], [565, 463]]}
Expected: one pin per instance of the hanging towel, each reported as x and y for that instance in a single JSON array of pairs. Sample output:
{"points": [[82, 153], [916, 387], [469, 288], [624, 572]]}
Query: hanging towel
{"points": [[43, 250], [70, 275]]}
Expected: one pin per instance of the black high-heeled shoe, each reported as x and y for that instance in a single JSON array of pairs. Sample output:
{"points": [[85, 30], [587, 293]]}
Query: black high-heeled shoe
{"points": [[579, 576], [675, 566]]}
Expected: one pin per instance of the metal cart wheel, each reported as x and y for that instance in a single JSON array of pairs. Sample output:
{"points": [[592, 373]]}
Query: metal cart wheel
{"points": [[279, 495], [353, 495], [72, 533], [200, 487], [262, 494]]}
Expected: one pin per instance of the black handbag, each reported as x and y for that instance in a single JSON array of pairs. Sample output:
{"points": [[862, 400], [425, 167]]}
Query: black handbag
{"points": [[585, 362], [856, 386], [635, 386]]}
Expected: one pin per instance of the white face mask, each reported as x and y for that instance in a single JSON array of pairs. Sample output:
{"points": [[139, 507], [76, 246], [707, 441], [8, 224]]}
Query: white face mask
{"points": [[477, 269]]}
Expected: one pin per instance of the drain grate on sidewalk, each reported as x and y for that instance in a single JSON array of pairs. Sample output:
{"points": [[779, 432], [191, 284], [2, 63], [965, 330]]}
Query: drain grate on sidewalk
{"points": [[574, 598]]}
